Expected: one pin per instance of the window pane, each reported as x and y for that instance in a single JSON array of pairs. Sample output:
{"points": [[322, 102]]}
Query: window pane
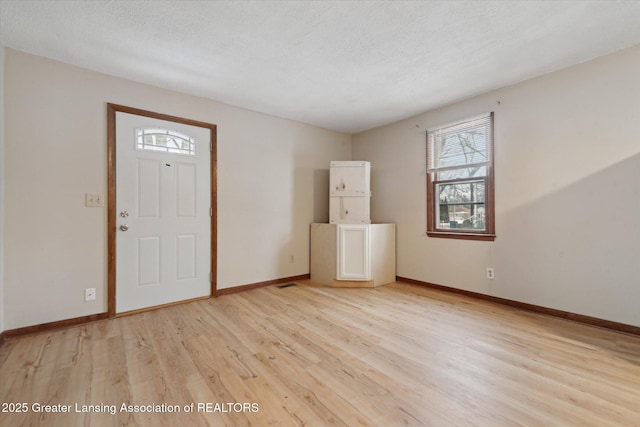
{"points": [[462, 148], [477, 171], [461, 205], [460, 145], [164, 140]]}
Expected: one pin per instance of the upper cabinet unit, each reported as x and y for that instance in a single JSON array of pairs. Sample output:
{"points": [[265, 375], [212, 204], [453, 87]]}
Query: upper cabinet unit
{"points": [[350, 192]]}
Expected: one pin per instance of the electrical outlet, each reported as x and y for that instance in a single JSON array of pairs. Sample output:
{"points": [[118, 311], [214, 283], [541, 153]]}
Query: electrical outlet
{"points": [[490, 273], [291, 259], [90, 294], [92, 200]]}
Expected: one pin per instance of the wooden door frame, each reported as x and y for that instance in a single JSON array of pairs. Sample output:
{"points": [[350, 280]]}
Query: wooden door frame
{"points": [[112, 109]]}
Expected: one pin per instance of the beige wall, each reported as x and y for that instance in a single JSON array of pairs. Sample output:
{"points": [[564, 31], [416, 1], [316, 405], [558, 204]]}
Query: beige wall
{"points": [[272, 183], [567, 192], [567, 189]]}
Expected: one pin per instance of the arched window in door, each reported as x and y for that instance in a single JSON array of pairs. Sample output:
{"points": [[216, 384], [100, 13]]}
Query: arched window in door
{"points": [[165, 140]]}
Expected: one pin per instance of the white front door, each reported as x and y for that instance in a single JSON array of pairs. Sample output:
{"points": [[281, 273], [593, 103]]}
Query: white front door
{"points": [[163, 205]]}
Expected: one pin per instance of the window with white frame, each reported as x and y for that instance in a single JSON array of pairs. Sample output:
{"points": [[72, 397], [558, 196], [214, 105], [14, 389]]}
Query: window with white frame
{"points": [[460, 184]]}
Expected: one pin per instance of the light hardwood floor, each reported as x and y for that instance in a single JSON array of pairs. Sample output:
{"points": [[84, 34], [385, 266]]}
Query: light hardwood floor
{"points": [[397, 355]]}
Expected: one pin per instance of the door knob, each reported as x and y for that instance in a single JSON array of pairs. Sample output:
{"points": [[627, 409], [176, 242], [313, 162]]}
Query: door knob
{"points": [[124, 227]]}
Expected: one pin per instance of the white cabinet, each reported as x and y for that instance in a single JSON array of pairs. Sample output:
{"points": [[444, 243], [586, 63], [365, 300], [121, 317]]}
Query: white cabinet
{"points": [[349, 192], [353, 255], [350, 251]]}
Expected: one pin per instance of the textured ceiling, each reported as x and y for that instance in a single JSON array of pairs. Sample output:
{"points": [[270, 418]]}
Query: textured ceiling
{"points": [[342, 65]]}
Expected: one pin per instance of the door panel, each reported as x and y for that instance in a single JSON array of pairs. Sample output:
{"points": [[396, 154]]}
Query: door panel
{"points": [[186, 190], [349, 210], [148, 260], [186, 256], [148, 193], [163, 200], [354, 248], [349, 178]]}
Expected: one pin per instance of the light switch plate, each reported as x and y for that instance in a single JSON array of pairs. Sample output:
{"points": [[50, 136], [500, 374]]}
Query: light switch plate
{"points": [[93, 200]]}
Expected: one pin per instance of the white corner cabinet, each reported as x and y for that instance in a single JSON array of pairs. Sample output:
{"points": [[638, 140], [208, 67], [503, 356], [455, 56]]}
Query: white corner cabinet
{"points": [[349, 192], [353, 255]]}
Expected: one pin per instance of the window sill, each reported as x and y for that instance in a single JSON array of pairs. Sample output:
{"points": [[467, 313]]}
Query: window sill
{"points": [[462, 235]]}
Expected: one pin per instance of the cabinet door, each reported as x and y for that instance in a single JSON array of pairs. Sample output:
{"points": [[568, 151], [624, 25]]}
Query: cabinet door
{"points": [[349, 179], [354, 252], [349, 210]]}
